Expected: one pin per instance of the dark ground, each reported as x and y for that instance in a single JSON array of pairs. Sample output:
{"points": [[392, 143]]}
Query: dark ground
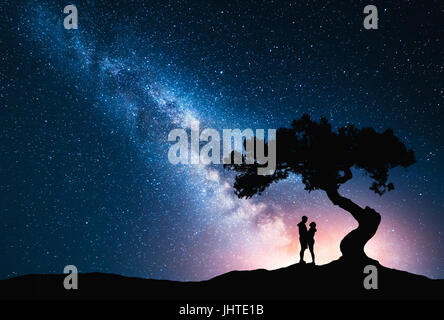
{"points": [[337, 280]]}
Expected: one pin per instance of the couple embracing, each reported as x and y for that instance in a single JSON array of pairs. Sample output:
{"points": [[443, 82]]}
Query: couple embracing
{"points": [[306, 238]]}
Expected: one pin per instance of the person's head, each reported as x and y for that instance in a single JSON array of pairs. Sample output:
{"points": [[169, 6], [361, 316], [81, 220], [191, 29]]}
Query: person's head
{"points": [[304, 219], [312, 224]]}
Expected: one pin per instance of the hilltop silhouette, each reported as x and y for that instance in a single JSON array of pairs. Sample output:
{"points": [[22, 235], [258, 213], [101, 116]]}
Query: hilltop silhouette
{"points": [[339, 279]]}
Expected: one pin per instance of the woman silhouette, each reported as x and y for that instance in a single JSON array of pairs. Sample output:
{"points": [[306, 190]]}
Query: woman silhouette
{"points": [[310, 239]]}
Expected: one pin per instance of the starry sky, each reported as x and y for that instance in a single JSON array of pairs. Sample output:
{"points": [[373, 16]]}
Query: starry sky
{"points": [[85, 115]]}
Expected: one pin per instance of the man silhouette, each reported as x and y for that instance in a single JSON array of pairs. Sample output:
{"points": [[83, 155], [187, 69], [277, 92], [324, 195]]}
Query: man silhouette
{"points": [[303, 237]]}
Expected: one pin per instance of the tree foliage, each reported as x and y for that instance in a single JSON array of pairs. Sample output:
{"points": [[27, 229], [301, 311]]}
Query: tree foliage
{"points": [[324, 158]]}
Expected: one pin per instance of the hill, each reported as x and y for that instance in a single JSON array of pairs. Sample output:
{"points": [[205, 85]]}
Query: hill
{"points": [[339, 279]]}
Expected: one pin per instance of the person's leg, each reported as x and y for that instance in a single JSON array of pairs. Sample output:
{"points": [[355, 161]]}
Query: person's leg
{"points": [[310, 246], [301, 253]]}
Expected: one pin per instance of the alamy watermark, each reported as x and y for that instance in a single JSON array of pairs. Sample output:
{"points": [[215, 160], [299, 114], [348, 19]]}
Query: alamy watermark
{"points": [[247, 145], [371, 20], [371, 280], [71, 20], [71, 281]]}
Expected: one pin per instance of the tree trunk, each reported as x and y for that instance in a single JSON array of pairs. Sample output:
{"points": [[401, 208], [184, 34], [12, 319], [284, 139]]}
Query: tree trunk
{"points": [[352, 246]]}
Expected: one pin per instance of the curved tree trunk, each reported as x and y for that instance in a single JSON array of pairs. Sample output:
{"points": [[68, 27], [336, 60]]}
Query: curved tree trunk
{"points": [[352, 246]]}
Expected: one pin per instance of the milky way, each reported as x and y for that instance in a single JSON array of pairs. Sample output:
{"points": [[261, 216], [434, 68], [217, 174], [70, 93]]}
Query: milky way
{"points": [[87, 113]]}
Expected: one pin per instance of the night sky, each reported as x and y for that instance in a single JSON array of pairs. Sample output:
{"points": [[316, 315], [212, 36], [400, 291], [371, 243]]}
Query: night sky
{"points": [[85, 115]]}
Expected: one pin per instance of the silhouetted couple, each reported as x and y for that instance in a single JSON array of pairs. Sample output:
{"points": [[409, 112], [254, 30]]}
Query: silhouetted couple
{"points": [[306, 238]]}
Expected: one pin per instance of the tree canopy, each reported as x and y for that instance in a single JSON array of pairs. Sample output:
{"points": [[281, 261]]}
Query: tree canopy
{"points": [[324, 158]]}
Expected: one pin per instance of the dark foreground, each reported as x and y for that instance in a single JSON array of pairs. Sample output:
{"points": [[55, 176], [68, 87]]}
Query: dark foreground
{"points": [[336, 280]]}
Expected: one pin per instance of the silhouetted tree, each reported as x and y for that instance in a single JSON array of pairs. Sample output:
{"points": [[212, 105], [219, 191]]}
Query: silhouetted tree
{"points": [[324, 159]]}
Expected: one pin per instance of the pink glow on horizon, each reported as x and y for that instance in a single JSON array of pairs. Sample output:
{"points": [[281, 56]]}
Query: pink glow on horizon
{"points": [[275, 244], [262, 234]]}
